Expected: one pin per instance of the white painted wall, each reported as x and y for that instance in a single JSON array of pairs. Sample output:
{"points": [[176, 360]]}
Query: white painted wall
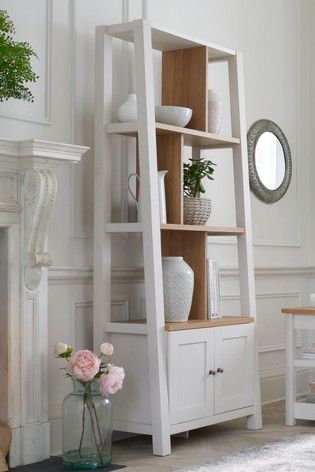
{"points": [[278, 45]]}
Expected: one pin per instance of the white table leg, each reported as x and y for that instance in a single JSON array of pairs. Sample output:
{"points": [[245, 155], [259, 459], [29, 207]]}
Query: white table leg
{"points": [[290, 385]]}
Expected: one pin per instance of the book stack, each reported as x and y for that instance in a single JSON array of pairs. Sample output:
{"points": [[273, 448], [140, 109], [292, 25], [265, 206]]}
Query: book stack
{"points": [[309, 353], [213, 289]]}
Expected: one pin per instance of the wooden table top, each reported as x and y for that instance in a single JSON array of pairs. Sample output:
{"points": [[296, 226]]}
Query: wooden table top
{"points": [[301, 310]]}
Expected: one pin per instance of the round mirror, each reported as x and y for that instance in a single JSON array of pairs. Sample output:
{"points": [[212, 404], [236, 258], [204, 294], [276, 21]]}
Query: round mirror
{"points": [[270, 164]]}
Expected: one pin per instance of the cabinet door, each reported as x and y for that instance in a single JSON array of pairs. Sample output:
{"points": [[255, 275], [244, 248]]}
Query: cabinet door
{"points": [[191, 387], [234, 353]]}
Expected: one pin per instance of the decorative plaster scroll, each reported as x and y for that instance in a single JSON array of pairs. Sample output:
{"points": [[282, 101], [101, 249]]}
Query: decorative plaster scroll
{"points": [[40, 187]]}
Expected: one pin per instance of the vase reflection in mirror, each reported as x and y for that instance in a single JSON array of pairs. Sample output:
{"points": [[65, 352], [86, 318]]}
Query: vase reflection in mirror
{"points": [[161, 192]]}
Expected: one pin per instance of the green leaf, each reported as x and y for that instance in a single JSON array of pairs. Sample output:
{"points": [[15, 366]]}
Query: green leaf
{"points": [[15, 63], [194, 173]]}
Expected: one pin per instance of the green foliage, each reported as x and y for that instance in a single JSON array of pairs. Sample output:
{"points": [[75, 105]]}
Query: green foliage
{"points": [[15, 63], [194, 172], [67, 354]]}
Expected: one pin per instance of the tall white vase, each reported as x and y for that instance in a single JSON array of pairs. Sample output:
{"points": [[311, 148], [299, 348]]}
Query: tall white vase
{"points": [[178, 286], [214, 112], [128, 110]]}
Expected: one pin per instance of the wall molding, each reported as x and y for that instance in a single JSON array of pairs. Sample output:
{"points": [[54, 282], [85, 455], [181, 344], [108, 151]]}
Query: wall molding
{"points": [[70, 275], [273, 385], [269, 296], [231, 240], [121, 275]]}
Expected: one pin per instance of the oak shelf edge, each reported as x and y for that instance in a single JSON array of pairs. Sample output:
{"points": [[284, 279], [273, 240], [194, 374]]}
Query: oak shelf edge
{"points": [[192, 137], [302, 310], [210, 230]]}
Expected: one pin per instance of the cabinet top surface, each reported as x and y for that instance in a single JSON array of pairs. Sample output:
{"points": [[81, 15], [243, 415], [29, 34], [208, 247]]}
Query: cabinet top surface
{"points": [[302, 310], [165, 40], [197, 324]]}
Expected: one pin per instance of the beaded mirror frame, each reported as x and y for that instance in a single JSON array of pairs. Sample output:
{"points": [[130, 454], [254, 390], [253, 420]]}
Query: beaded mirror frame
{"points": [[258, 188]]}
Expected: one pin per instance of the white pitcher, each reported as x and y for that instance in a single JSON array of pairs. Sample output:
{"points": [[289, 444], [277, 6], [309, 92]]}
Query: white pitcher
{"points": [[162, 198], [137, 201], [161, 191]]}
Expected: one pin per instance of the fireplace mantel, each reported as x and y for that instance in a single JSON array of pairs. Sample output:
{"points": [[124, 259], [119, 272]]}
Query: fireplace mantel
{"points": [[28, 189]]}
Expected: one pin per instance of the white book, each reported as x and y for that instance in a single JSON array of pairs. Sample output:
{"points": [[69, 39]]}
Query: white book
{"points": [[217, 288], [213, 289]]}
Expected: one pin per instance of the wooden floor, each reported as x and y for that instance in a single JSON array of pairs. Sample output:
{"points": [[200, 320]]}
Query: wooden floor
{"points": [[207, 443]]}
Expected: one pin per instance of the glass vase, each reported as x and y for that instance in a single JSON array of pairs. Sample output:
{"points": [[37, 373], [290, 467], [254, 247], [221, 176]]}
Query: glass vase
{"points": [[86, 428]]}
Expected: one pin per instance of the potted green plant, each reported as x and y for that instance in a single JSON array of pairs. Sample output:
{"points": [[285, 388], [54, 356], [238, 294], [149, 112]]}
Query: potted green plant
{"points": [[197, 210], [15, 63]]}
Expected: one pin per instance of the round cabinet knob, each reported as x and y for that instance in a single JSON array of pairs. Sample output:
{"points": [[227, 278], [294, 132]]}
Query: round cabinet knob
{"points": [[212, 372], [220, 370]]}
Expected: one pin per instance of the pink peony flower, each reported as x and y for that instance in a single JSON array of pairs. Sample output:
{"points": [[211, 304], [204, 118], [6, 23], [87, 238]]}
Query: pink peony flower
{"points": [[111, 382], [83, 365], [107, 349]]}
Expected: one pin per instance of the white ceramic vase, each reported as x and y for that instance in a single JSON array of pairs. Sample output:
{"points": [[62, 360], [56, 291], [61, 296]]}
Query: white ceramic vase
{"points": [[214, 112], [178, 286], [128, 110]]}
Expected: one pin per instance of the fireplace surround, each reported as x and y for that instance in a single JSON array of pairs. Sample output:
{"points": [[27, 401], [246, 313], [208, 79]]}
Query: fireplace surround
{"points": [[28, 189]]}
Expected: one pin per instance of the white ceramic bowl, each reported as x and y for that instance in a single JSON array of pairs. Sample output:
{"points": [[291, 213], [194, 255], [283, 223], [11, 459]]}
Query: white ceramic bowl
{"points": [[177, 116]]}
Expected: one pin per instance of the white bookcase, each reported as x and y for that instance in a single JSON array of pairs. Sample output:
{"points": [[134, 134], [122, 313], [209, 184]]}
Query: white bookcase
{"points": [[180, 376]]}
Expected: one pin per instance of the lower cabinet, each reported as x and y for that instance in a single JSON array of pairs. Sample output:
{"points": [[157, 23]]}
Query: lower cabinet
{"points": [[210, 371]]}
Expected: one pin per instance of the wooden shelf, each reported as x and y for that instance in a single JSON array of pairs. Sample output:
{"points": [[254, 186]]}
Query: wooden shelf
{"points": [[210, 230], [305, 310], [127, 327], [123, 227], [192, 137]]}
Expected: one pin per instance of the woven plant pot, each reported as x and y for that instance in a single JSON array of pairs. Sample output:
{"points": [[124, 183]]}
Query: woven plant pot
{"points": [[196, 210]]}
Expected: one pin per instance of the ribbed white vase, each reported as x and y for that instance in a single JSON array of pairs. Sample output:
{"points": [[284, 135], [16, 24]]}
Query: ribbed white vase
{"points": [[214, 112], [178, 285]]}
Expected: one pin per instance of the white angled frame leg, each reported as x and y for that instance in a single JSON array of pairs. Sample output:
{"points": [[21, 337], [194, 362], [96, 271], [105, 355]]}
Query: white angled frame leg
{"points": [[151, 238], [243, 215], [290, 383]]}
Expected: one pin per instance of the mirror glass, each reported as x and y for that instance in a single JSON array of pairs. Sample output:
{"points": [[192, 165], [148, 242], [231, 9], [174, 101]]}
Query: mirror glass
{"points": [[270, 161]]}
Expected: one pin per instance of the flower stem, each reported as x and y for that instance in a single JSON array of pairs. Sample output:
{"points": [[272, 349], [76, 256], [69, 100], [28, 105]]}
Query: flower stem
{"points": [[83, 422], [94, 433], [96, 417]]}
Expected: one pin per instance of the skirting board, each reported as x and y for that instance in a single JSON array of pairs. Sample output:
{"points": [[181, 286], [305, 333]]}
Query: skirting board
{"points": [[22, 438]]}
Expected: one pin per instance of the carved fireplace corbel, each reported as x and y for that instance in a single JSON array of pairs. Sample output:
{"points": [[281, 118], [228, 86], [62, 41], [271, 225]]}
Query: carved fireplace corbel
{"points": [[40, 188], [28, 188]]}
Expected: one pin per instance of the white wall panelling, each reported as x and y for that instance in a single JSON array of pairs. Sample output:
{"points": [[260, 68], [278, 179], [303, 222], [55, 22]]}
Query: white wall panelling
{"points": [[83, 325]]}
